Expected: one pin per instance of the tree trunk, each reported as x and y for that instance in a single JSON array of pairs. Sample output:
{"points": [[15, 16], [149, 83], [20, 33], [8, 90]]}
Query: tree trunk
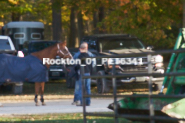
{"points": [[56, 19], [101, 17], [72, 34], [80, 27], [183, 22], [95, 21], [16, 16]]}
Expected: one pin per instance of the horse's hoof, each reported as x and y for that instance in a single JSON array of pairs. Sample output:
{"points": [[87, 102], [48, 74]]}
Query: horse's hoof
{"points": [[36, 104], [43, 104]]}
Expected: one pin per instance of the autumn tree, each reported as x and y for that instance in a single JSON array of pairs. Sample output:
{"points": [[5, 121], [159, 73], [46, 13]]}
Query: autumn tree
{"points": [[155, 22], [150, 20], [16, 8], [57, 19], [76, 23]]}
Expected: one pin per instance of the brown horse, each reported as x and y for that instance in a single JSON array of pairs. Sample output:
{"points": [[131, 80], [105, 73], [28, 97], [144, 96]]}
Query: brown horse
{"points": [[50, 52]]}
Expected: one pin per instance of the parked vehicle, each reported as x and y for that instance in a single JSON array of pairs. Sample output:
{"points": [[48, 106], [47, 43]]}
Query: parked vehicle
{"points": [[55, 71], [115, 44], [22, 31], [7, 47], [166, 105]]}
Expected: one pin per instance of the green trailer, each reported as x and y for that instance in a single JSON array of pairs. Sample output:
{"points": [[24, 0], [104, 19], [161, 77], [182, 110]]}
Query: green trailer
{"points": [[163, 106]]}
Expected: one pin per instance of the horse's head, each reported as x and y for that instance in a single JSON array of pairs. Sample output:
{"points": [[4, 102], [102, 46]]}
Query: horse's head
{"points": [[63, 51]]}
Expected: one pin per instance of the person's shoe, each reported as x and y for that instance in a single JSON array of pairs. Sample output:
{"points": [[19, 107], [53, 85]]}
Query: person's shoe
{"points": [[82, 105], [43, 103], [78, 103], [36, 104], [74, 103]]}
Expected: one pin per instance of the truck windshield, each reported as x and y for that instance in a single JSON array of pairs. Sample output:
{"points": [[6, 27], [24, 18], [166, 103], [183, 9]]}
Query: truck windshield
{"points": [[4, 44], [118, 44], [37, 46]]}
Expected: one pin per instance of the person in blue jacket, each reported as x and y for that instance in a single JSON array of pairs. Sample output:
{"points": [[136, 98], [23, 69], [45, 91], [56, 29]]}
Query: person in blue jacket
{"points": [[82, 53]]}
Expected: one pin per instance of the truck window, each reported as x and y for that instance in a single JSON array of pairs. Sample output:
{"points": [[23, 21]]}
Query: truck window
{"points": [[118, 44], [91, 43], [4, 44], [36, 36], [19, 35]]}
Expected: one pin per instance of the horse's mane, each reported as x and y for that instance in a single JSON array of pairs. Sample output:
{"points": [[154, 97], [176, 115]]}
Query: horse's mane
{"points": [[45, 52], [47, 48]]}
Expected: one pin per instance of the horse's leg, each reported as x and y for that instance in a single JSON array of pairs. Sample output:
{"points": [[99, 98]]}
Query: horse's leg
{"points": [[37, 88], [42, 93]]}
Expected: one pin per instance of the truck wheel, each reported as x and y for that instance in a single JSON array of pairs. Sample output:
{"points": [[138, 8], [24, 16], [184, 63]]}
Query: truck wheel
{"points": [[157, 86], [70, 82], [102, 85], [17, 88]]}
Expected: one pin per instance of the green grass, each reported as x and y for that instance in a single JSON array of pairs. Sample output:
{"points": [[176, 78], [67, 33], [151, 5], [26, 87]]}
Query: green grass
{"points": [[58, 87], [57, 90], [58, 118], [52, 87]]}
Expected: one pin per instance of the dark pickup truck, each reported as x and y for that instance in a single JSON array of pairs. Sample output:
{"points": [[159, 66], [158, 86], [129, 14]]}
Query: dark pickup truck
{"points": [[115, 44], [7, 47]]}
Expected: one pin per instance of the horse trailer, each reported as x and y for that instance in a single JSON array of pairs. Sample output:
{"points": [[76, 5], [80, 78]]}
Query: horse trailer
{"points": [[22, 31]]}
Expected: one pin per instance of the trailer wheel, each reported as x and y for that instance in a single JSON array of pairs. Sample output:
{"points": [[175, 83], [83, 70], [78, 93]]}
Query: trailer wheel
{"points": [[102, 85]]}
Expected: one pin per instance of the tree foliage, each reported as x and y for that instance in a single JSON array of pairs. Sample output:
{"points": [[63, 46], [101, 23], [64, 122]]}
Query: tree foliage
{"points": [[153, 21], [150, 20], [15, 8]]}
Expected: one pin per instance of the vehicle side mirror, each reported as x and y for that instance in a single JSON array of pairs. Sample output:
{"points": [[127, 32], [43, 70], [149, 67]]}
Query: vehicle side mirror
{"points": [[149, 47]]}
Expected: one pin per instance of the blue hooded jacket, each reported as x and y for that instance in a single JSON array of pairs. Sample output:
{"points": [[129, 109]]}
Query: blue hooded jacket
{"points": [[74, 70]]}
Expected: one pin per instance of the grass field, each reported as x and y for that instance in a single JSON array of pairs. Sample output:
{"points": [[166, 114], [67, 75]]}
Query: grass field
{"points": [[58, 90], [58, 87], [59, 118]]}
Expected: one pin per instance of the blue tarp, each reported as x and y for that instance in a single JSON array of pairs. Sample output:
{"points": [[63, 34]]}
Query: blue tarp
{"points": [[18, 69]]}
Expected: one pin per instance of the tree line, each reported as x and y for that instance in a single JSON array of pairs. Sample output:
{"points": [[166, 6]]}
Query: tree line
{"points": [[155, 22]]}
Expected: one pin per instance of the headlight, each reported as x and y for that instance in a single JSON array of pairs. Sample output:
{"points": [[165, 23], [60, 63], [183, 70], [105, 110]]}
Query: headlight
{"points": [[158, 64], [157, 58]]}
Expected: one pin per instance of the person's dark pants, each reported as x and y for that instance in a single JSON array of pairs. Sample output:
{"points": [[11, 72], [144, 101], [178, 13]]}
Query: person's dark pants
{"points": [[78, 89]]}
